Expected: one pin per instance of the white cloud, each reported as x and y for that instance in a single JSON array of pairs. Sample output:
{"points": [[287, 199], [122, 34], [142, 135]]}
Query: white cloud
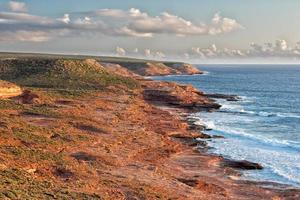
{"points": [[159, 54], [120, 14], [115, 13], [135, 50], [279, 49], [223, 25], [140, 24], [65, 19], [120, 51], [25, 36], [18, 19], [281, 45], [125, 31], [147, 53], [17, 6], [113, 22]]}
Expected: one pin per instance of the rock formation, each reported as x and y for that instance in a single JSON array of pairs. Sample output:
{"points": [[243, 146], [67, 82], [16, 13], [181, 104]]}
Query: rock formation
{"points": [[184, 68], [224, 96], [181, 96]]}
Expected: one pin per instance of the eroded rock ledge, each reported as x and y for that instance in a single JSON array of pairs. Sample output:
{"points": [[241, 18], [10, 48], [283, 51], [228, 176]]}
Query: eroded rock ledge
{"points": [[180, 96], [227, 97]]}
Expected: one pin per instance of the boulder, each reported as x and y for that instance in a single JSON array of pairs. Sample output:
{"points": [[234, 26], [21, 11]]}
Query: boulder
{"points": [[241, 164], [224, 96]]}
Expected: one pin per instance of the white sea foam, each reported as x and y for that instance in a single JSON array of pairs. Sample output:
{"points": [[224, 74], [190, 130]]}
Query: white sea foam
{"points": [[259, 139], [205, 73], [288, 115], [281, 166], [279, 157], [263, 126], [209, 124], [239, 109]]}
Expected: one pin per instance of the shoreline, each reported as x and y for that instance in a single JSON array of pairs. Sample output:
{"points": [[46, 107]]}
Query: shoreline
{"points": [[237, 166], [118, 142], [232, 108], [203, 146]]}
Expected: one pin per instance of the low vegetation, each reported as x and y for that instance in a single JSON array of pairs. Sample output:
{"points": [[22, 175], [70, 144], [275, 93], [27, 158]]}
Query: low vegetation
{"points": [[61, 74]]}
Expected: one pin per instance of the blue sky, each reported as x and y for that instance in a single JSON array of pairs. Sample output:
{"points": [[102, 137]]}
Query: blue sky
{"points": [[203, 30]]}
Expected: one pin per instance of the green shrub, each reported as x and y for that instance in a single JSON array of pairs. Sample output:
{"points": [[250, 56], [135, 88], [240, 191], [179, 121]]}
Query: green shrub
{"points": [[61, 74]]}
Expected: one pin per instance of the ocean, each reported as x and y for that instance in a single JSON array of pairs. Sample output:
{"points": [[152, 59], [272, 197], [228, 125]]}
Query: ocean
{"points": [[264, 126]]}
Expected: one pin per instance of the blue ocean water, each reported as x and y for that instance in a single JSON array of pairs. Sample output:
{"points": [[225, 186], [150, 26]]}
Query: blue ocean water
{"points": [[264, 126]]}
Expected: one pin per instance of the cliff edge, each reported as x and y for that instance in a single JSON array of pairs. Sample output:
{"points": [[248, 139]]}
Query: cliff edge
{"points": [[160, 68]]}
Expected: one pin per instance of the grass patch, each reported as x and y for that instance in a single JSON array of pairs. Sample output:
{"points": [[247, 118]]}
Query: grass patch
{"points": [[35, 155], [18, 184], [29, 134], [42, 110], [61, 74], [10, 104], [70, 94]]}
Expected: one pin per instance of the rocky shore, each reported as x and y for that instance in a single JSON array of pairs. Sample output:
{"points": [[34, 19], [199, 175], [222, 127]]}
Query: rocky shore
{"points": [[131, 139]]}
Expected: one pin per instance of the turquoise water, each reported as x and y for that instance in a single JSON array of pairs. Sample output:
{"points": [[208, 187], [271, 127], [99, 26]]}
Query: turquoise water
{"points": [[264, 126]]}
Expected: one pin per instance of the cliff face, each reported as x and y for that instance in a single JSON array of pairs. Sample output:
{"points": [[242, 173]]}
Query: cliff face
{"points": [[8, 90], [118, 69], [179, 96], [155, 69], [185, 68]]}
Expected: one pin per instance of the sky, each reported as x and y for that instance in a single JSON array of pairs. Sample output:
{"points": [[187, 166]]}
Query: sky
{"points": [[198, 31]]}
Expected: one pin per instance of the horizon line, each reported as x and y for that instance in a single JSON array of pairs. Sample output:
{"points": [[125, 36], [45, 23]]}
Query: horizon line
{"points": [[143, 58]]}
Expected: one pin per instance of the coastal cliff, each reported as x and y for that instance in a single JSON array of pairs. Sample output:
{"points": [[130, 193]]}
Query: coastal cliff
{"points": [[100, 131], [160, 68]]}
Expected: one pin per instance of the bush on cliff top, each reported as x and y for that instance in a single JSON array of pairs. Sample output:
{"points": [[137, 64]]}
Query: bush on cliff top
{"points": [[60, 74]]}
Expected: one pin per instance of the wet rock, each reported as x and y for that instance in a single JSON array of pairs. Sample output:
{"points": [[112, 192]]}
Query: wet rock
{"points": [[217, 137], [224, 96], [197, 143], [195, 127], [204, 136], [242, 164], [199, 106]]}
